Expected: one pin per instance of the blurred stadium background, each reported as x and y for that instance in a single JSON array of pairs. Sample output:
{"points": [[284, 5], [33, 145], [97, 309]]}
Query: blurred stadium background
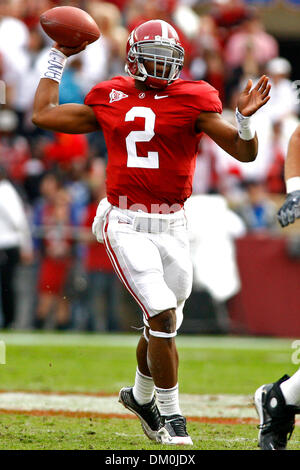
{"points": [[54, 275]]}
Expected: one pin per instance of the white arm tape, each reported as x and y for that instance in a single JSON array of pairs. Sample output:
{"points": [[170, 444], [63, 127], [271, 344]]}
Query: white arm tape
{"points": [[245, 126], [55, 65], [293, 184]]}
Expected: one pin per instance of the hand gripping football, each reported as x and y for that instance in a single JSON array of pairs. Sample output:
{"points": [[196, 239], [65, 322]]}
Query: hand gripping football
{"points": [[69, 26]]}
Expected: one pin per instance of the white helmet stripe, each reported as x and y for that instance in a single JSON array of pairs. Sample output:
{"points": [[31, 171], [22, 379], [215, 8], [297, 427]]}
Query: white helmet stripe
{"points": [[164, 29]]}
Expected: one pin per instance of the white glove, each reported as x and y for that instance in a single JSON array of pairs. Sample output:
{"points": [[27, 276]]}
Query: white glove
{"points": [[97, 226]]}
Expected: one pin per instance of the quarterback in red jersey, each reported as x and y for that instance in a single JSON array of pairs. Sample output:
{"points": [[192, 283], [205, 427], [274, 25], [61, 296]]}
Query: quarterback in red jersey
{"points": [[160, 155], [152, 122]]}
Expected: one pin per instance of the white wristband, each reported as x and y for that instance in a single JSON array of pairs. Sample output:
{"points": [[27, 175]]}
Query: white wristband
{"points": [[245, 126], [293, 184], [55, 65]]}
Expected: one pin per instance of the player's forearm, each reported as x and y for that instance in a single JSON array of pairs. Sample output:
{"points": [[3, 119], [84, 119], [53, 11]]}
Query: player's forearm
{"points": [[246, 138], [289, 211], [292, 163], [242, 146], [242, 150], [246, 150], [226, 136]]}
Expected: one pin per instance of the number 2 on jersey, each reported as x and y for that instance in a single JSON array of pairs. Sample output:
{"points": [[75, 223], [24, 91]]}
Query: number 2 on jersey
{"points": [[133, 160]]}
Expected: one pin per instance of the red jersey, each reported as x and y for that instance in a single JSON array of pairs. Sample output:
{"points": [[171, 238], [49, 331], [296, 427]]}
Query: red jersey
{"points": [[151, 139]]}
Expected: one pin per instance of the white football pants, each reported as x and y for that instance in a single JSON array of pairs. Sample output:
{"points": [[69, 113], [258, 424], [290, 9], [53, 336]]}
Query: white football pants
{"points": [[150, 254]]}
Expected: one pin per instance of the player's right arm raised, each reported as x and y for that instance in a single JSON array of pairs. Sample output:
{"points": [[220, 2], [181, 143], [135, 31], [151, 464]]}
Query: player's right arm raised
{"points": [[70, 118]]}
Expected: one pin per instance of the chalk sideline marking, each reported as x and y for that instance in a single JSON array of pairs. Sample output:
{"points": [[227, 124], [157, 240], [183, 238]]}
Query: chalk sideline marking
{"points": [[206, 408]]}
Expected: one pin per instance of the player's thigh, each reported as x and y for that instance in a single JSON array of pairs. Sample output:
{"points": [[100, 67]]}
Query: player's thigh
{"points": [[178, 269], [138, 263]]}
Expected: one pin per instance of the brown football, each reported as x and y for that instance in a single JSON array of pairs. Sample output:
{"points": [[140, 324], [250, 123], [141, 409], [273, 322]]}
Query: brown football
{"points": [[69, 26]]}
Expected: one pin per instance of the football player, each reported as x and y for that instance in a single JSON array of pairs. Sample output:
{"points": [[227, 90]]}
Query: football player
{"points": [[290, 210], [152, 123], [278, 403]]}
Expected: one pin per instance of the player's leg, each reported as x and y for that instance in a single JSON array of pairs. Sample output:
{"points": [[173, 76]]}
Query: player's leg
{"points": [[137, 262], [178, 276], [174, 251], [142, 352], [157, 358], [140, 398], [162, 358], [291, 389], [143, 389], [178, 268], [277, 404]]}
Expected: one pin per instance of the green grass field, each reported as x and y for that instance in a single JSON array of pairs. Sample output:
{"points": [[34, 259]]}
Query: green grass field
{"points": [[92, 363]]}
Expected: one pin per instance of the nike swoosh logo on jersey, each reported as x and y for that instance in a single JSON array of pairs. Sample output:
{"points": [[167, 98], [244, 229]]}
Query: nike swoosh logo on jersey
{"points": [[156, 97]]}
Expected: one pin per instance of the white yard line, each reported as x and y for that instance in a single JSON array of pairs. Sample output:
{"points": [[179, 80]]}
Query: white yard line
{"points": [[130, 340], [193, 406], [228, 406]]}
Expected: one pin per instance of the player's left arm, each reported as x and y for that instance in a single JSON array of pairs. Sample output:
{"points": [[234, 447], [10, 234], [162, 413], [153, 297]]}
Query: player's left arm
{"points": [[290, 210], [241, 143], [292, 161]]}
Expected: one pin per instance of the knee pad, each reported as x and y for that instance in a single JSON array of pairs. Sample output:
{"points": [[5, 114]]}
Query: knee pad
{"points": [[162, 334], [165, 325], [158, 334]]}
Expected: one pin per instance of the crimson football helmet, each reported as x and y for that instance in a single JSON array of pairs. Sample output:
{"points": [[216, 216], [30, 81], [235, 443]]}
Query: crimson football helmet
{"points": [[155, 42]]}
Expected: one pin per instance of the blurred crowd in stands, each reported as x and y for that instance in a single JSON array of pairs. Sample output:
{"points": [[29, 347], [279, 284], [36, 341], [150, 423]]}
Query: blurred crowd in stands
{"points": [[62, 278]]}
